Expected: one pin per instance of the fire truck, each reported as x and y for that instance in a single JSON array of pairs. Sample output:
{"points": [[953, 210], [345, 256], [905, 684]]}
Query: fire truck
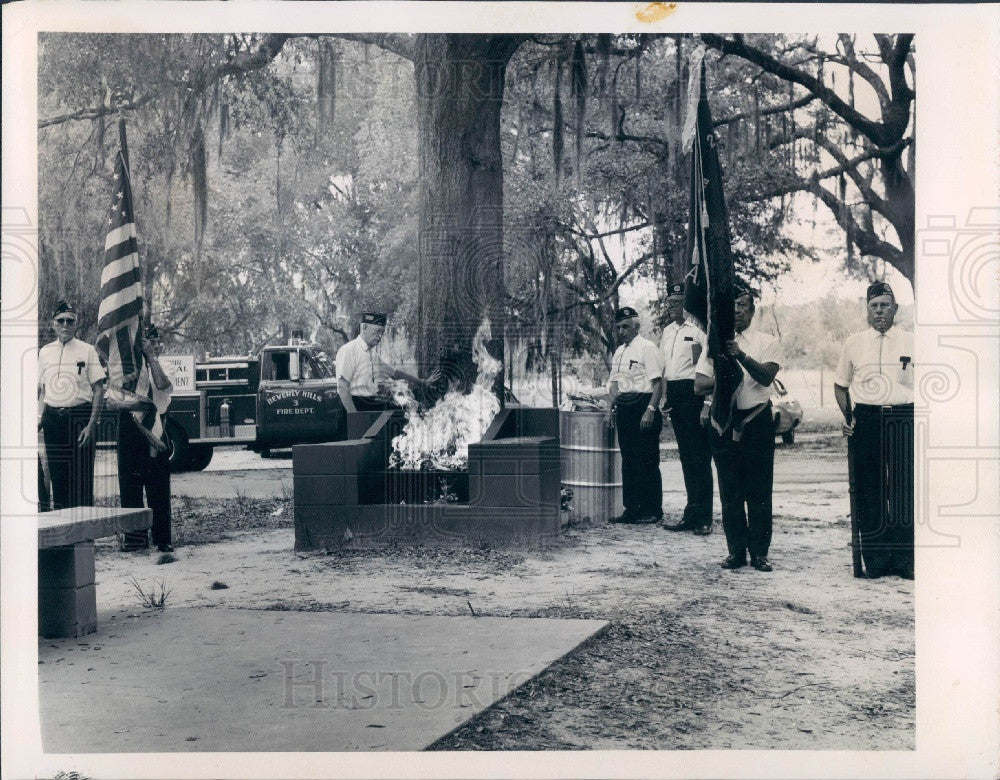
{"points": [[287, 395]]}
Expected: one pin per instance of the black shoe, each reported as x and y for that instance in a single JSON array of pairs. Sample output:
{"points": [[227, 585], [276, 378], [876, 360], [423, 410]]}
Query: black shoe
{"points": [[164, 548], [133, 547], [683, 525], [702, 530], [647, 520], [625, 518], [734, 562], [761, 564]]}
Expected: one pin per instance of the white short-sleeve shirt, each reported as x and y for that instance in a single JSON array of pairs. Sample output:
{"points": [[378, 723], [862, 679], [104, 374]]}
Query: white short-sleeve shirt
{"points": [[360, 365], [635, 365], [762, 347], [877, 368], [676, 344], [67, 372]]}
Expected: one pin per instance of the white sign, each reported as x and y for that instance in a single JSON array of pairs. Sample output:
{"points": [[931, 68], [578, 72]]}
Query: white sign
{"points": [[180, 370]]}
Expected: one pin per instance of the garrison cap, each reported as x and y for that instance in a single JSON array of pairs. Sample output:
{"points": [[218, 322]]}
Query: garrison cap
{"points": [[62, 308], [675, 290], [741, 288], [373, 318], [625, 313], [875, 289]]}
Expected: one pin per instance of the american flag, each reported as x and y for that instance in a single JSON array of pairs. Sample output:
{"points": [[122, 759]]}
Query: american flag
{"points": [[708, 296], [119, 317]]}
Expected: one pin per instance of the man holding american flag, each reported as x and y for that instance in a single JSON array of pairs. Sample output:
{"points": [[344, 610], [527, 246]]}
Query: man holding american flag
{"points": [[137, 386]]}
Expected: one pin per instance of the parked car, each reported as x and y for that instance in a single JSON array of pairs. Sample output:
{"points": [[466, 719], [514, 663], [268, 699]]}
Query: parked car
{"points": [[787, 414]]}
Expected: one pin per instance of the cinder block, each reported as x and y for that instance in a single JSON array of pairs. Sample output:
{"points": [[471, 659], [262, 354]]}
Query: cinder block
{"points": [[317, 527], [358, 423], [337, 457], [71, 566], [325, 490], [67, 612], [505, 490], [516, 420], [523, 455]]}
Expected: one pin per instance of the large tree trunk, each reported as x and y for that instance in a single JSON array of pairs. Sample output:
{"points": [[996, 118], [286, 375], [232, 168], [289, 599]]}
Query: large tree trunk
{"points": [[460, 87]]}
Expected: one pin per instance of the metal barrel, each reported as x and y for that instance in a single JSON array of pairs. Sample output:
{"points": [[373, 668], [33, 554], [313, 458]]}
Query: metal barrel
{"points": [[591, 465]]}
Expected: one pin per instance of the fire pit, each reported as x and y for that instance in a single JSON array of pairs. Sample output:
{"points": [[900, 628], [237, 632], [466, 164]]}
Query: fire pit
{"points": [[509, 494]]}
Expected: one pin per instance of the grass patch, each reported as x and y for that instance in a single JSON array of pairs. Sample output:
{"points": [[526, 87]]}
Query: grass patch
{"points": [[155, 598]]}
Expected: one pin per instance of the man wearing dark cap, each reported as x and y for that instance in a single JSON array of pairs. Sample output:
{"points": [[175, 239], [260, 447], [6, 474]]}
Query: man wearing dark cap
{"points": [[70, 391], [681, 345], [875, 374], [360, 370], [744, 451], [634, 390], [143, 453]]}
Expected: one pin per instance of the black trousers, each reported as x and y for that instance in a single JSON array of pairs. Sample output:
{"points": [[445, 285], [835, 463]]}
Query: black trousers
{"points": [[642, 486], [694, 450], [140, 472], [71, 467], [882, 448], [746, 480]]}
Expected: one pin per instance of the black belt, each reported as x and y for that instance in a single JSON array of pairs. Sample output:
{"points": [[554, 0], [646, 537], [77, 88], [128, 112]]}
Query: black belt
{"points": [[876, 408], [67, 409]]}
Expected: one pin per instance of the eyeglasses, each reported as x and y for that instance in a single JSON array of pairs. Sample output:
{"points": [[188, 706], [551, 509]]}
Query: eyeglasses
{"points": [[66, 320]]}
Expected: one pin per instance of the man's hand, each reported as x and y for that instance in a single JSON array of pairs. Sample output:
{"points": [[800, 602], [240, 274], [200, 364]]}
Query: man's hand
{"points": [[85, 435], [847, 428], [733, 349], [705, 416], [647, 420]]}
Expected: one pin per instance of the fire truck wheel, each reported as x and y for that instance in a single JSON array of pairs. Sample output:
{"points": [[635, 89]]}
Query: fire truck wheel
{"points": [[179, 447], [200, 455]]}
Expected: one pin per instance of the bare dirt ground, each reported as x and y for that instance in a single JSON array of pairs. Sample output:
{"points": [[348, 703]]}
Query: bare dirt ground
{"points": [[696, 657]]}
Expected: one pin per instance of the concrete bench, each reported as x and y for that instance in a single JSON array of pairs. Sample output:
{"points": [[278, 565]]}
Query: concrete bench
{"points": [[67, 593]]}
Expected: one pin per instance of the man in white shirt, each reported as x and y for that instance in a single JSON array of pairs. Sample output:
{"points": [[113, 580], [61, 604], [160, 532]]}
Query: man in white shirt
{"points": [[71, 392], [360, 370], [634, 389], [681, 344], [875, 372], [744, 452]]}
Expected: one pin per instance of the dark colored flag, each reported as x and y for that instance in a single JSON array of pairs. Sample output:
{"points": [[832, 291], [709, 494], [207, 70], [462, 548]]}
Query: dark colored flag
{"points": [[708, 296]]}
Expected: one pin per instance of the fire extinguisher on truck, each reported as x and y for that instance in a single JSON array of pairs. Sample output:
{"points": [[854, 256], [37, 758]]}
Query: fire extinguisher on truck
{"points": [[286, 395]]}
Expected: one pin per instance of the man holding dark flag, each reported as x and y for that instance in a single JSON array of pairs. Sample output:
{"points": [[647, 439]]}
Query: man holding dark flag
{"points": [[744, 450], [738, 366]]}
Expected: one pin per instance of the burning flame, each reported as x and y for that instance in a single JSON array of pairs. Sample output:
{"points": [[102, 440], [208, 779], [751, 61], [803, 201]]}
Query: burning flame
{"points": [[440, 436]]}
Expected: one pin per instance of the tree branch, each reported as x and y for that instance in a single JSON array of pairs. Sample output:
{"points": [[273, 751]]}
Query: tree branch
{"points": [[400, 44], [867, 242], [862, 69], [879, 133], [802, 101]]}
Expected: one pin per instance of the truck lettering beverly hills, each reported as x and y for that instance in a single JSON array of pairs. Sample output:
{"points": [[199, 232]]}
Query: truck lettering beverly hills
{"points": [[287, 395]]}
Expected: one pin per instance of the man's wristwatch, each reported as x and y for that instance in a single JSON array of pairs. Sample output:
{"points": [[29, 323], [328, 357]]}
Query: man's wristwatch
{"points": [[651, 408]]}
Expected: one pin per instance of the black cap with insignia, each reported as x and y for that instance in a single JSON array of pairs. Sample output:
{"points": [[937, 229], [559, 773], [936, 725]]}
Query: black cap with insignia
{"points": [[625, 313], [675, 290], [373, 318], [741, 288], [875, 289], [63, 307]]}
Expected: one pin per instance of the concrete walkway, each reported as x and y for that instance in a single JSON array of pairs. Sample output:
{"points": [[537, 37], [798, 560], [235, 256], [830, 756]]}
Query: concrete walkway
{"points": [[256, 681]]}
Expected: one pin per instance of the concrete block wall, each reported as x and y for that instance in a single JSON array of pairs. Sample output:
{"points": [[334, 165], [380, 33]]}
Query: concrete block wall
{"points": [[514, 483], [67, 593]]}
